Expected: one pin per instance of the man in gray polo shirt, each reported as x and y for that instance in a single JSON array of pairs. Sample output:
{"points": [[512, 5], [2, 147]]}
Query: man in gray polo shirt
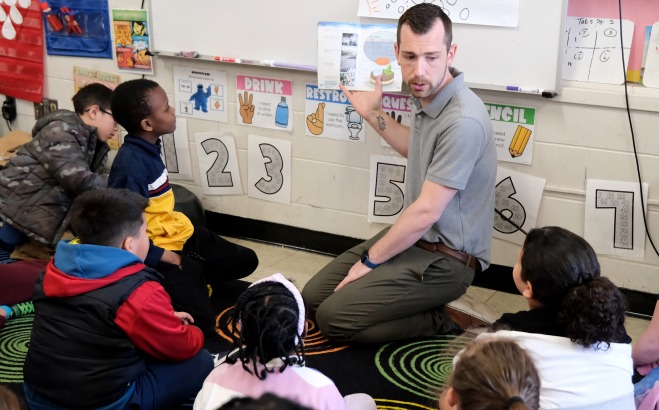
{"points": [[395, 285]]}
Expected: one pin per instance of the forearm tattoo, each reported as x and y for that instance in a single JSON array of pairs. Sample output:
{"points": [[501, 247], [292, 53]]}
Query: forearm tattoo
{"points": [[381, 124]]}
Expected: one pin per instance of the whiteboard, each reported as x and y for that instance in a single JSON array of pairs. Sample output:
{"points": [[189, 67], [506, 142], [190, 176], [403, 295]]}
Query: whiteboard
{"points": [[491, 57]]}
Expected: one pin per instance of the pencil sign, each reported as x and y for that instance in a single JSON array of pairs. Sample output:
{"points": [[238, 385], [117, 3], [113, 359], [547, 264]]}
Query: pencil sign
{"points": [[264, 102], [512, 129]]}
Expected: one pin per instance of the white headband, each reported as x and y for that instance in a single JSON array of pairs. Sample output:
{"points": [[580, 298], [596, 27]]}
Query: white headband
{"points": [[279, 278]]}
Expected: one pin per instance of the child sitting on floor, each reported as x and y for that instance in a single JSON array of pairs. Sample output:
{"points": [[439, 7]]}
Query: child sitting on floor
{"points": [[105, 334], [268, 354], [189, 257], [492, 375], [575, 330]]}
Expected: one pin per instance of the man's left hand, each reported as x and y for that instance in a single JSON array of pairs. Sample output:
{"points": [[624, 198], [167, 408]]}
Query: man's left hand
{"points": [[357, 271]]}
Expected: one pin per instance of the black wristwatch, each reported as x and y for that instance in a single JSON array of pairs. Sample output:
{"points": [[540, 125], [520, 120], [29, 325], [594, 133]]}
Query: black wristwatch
{"points": [[367, 262]]}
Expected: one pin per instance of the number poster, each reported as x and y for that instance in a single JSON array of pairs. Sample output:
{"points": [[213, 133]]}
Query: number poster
{"points": [[269, 169], [386, 195], [218, 163]]}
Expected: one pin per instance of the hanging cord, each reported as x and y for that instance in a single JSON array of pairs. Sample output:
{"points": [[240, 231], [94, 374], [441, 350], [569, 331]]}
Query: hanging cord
{"points": [[631, 127]]}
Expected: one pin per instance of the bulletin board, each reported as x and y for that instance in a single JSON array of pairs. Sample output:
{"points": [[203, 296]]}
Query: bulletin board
{"points": [[491, 57]]}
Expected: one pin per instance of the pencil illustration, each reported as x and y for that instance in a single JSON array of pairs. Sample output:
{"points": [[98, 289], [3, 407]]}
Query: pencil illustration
{"points": [[518, 144]]}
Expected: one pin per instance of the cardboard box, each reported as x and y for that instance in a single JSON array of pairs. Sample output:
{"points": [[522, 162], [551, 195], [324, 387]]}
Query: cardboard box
{"points": [[9, 143]]}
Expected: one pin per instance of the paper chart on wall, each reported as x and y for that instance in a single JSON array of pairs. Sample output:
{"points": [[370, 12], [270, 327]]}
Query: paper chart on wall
{"points": [[329, 114], [651, 72], [175, 152], [512, 129], [352, 54], [398, 107], [218, 163], [516, 204], [592, 49], [614, 219], [200, 94], [386, 195], [486, 12], [269, 169]]}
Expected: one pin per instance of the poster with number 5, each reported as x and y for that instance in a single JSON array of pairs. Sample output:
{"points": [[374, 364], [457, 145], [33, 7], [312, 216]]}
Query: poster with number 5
{"points": [[218, 163], [516, 203], [386, 195], [614, 218], [269, 169]]}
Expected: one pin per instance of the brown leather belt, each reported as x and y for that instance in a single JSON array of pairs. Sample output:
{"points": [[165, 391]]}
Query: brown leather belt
{"points": [[463, 257]]}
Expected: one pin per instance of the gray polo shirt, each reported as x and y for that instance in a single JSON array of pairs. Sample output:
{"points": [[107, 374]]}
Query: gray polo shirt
{"points": [[451, 144]]}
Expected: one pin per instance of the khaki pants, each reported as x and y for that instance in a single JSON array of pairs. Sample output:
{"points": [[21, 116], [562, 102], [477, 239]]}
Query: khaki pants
{"points": [[402, 298]]}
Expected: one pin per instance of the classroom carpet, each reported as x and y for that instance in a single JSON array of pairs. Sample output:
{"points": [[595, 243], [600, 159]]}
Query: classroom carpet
{"points": [[402, 375]]}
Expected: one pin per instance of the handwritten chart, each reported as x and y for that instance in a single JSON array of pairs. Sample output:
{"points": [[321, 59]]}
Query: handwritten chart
{"points": [[503, 13], [592, 49]]}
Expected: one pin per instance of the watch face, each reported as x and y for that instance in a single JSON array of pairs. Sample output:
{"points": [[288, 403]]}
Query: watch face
{"points": [[364, 255]]}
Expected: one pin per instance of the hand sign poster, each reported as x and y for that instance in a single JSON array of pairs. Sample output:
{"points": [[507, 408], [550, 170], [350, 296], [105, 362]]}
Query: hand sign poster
{"points": [[200, 94], [329, 114], [516, 204], [264, 102], [398, 107], [614, 218]]}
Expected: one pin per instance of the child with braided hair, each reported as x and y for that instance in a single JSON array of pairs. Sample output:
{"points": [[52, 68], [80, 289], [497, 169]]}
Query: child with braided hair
{"points": [[575, 328], [267, 354], [492, 375]]}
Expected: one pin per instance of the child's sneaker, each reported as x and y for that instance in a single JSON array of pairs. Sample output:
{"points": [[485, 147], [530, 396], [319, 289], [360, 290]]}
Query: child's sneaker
{"points": [[22, 309], [218, 358]]}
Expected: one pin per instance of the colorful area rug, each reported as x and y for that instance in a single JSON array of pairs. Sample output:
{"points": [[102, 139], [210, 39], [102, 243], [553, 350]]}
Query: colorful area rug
{"points": [[406, 374]]}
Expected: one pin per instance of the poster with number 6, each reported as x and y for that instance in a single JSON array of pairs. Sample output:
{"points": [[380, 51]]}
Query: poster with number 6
{"points": [[269, 169], [614, 219], [386, 195], [218, 163], [516, 203]]}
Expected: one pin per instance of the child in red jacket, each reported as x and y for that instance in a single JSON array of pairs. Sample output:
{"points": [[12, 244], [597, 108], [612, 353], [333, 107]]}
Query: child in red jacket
{"points": [[103, 320]]}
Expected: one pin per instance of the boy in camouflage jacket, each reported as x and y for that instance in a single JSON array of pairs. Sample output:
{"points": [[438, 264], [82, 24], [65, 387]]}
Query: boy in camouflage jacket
{"points": [[65, 158]]}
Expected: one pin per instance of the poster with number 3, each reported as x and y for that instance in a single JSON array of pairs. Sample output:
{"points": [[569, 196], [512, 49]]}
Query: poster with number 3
{"points": [[218, 163], [269, 169]]}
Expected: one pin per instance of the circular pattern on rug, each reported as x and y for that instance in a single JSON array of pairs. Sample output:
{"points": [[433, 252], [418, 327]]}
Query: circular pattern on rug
{"points": [[314, 342], [14, 342], [422, 367], [386, 404]]}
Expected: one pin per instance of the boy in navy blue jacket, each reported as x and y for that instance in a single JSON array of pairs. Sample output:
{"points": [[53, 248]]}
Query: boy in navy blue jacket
{"points": [[188, 257]]}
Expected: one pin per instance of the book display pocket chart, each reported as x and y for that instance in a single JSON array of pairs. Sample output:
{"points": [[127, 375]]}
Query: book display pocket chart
{"points": [[77, 28]]}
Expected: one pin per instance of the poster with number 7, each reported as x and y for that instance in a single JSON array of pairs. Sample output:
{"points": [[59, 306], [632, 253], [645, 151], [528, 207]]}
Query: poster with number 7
{"points": [[614, 219], [386, 195], [269, 169], [218, 163]]}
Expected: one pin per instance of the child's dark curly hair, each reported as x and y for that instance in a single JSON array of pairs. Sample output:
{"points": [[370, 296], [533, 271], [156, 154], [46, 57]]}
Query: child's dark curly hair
{"points": [[565, 277], [266, 321], [594, 313]]}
